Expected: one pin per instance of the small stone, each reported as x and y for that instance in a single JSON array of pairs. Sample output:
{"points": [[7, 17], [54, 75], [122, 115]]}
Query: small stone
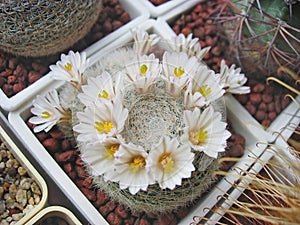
{"points": [[31, 201], [2, 207], [272, 115], [51, 144], [35, 188], [114, 219], [21, 197], [236, 151], [17, 216], [271, 106], [22, 171], [258, 88], [267, 98], [260, 115], [4, 222], [186, 31], [263, 106], [37, 199], [33, 76], [18, 87], [25, 183], [251, 108], [266, 123], [255, 98]]}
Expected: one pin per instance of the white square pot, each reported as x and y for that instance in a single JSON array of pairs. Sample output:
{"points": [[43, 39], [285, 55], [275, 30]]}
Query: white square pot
{"points": [[138, 14]]}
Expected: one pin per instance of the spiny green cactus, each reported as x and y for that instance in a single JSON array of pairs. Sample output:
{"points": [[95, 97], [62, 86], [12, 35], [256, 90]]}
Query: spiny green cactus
{"points": [[38, 28], [264, 35]]}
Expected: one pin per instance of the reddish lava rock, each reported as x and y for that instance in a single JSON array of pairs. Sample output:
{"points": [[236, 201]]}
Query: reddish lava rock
{"points": [[264, 103]]}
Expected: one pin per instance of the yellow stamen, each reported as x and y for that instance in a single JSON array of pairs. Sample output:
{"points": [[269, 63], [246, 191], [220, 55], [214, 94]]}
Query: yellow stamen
{"points": [[205, 90], [143, 69], [167, 163], [198, 137], [103, 127], [137, 163], [110, 151], [46, 115], [68, 67], [178, 71], [104, 94]]}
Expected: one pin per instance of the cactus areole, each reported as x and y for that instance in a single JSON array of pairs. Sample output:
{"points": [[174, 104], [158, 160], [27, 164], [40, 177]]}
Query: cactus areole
{"points": [[38, 28]]}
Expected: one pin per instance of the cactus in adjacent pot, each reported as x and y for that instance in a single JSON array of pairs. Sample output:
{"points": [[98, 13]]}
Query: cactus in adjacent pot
{"points": [[38, 28], [264, 35]]}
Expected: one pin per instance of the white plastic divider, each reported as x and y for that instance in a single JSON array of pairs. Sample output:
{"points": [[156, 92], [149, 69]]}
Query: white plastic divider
{"points": [[138, 15], [17, 120], [156, 11]]}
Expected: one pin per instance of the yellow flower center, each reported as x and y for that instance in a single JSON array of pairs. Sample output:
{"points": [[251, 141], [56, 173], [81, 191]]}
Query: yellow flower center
{"points": [[103, 127], [167, 163], [68, 66], [205, 90], [46, 115], [137, 163], [143, 69], [198, 137], [103, 94], [178, 71], [110, 151]]}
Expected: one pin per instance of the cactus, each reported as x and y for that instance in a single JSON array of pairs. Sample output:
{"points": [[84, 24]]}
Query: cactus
{"points": [[264, 35], [39, 28], [149, 129]]}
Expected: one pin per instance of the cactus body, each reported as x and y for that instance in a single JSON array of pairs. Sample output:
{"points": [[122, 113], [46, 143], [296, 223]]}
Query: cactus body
{"points": [[39, 28], [264, 35]]}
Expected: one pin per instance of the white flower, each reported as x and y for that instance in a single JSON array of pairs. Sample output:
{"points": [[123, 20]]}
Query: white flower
{"points": [[189, 45], [171, 162], [144, 41], [101, 88], [178, 68], [143, 72], [132, 168], [101, 121], [70, 68], [193, 100], [48, 112], [100, 156], [205, 82], [233, 79], [205, 131]]}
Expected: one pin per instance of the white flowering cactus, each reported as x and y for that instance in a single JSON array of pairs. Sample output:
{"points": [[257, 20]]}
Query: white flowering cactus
{"points": [[147, 127]]}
